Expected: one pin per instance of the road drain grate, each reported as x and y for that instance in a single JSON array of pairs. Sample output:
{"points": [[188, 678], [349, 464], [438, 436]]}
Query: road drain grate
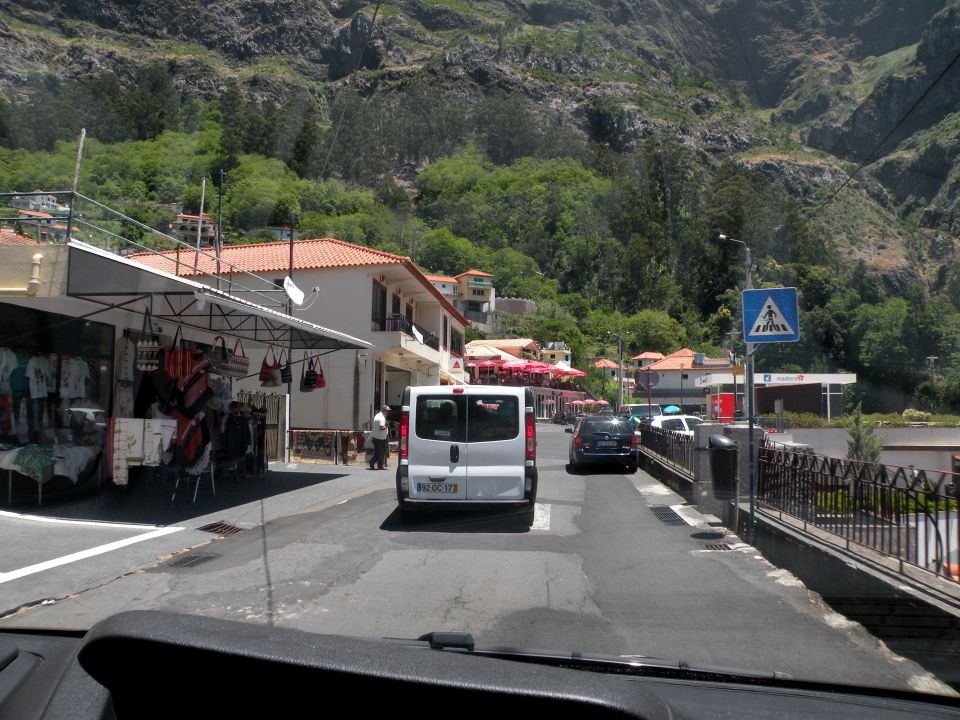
{"points": [[667, 515], [190, 561], [716, 546], [221, 528]]}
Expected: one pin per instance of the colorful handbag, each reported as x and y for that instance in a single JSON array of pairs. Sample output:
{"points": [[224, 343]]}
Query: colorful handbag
{"points": [[219, 357], [320, 382], [239, 362], [270, 369], [178, 363]]}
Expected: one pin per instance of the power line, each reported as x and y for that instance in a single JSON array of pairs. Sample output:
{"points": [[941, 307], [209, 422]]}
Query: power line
{"points": [[871, 158]]}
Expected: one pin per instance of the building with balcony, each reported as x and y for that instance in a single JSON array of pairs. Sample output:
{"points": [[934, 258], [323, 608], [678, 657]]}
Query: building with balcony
{"points": [[471, 292], [555, 352], [384, 299], [184, 228], [674, 378]]}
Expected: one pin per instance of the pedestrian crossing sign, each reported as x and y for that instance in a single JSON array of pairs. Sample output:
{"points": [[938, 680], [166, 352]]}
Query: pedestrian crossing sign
{"points": [[770, 315]]}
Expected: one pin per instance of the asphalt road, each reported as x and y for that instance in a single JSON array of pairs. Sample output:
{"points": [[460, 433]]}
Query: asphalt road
{"points": [[599, 572]]}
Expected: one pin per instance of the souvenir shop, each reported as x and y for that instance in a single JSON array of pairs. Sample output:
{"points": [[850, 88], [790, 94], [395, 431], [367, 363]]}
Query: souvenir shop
{"points": [[136, 379]]}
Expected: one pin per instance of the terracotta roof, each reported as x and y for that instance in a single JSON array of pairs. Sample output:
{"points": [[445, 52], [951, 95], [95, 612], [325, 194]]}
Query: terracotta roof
{"points": [[439, 278], [34, 213], [182, 216], [648, 356], [604, 363], [8, 237], [683, 360], [264, 257], [474, 272], [308, 254]]}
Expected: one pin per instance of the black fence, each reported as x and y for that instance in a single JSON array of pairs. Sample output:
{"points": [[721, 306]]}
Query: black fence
{"points": [[400, 323], [670, 445], [906, 513]]}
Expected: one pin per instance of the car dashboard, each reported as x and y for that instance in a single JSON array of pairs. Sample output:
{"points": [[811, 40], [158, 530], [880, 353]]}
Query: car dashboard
{"points": [[160, 664]]}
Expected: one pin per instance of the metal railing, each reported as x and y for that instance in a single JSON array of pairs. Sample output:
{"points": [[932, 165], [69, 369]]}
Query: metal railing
{"points": [[400, 323], [906, 513], [669, 445]]}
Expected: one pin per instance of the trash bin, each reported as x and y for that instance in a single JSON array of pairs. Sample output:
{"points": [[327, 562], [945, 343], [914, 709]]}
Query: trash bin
{"points": [[723, 466]]}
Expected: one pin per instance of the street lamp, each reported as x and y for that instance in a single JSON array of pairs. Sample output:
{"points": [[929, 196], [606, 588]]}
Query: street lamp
{"points": [[619, 338], [748, 371]]}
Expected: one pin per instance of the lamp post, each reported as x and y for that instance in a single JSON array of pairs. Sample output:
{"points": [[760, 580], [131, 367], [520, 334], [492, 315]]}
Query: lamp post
{"points": [[748, 371], [619, 338]]}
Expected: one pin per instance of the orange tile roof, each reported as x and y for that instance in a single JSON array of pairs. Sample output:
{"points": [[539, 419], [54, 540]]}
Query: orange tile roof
{"points": [[439, 278], [683, 360], [308, 254], [313, 254], [648, 356], [34, 213], [8, 237], [604, 363], [474, 272]]}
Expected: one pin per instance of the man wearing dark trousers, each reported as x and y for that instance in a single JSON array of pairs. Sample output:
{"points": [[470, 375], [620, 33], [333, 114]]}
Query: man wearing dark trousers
{"points": [[380, 438]]}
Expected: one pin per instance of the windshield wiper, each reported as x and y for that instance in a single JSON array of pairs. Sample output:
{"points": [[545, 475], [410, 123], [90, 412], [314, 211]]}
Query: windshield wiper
{"points": [[623, 664]]}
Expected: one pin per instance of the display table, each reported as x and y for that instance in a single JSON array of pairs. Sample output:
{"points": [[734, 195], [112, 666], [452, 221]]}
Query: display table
{"points": [[45, 463]]}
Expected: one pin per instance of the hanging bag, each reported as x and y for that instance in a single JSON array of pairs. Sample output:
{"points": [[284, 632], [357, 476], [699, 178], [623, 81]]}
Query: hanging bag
{"points": [[308, 375], [178, 362], [219, 357], [239, 362], [270, 369], [286, 372], [320, 382], [148, 346]]}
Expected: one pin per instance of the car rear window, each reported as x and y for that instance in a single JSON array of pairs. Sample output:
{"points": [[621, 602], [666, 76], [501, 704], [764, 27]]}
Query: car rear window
{"points": [[492, 417], [441, 417], [604, 425], [673, 424]]}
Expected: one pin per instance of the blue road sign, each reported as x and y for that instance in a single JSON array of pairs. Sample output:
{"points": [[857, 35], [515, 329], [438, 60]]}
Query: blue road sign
{"points": [[770, 315]]}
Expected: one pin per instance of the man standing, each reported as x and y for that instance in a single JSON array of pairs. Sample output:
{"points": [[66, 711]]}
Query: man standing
{"points": [[380, 435]]}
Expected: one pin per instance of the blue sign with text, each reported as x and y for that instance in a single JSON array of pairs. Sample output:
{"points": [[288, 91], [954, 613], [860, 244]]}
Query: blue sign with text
{"points": [[770, 315]]}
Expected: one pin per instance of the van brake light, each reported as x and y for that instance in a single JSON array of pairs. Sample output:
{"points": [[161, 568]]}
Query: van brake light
{"points": [[531, 433], [404, 433]]}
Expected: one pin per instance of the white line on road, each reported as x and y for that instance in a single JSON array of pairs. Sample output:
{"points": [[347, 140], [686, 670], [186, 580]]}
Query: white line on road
{"points": [[541, 517], [83, 554], [67, 521]]}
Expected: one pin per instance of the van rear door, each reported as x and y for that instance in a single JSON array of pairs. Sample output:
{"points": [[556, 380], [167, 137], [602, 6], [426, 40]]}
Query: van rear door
{"points": [[437, 467], [495, 435]]}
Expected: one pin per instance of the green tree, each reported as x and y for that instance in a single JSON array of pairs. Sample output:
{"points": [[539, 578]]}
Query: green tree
{"points": [[863, 445]]}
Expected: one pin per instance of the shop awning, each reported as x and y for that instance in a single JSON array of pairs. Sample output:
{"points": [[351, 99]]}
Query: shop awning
{"points": [[101, 277]]}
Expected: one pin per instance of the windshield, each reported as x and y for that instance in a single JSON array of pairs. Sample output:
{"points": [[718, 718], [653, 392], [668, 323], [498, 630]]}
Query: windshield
{"points": [[300, 304]]}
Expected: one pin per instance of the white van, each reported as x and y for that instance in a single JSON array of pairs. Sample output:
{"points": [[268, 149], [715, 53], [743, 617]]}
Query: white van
{"points": [[467, 447]]}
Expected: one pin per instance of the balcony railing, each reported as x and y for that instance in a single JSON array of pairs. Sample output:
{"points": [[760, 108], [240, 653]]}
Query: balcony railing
{"points": [[400, 323], [479, 283]]}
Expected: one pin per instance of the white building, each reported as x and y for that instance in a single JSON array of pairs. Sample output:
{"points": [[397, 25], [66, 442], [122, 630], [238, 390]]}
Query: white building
{"points": [[417, 334]]}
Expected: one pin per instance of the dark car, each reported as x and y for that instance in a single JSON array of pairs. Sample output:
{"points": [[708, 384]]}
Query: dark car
{"points": [[603, 440], [559, 417]]}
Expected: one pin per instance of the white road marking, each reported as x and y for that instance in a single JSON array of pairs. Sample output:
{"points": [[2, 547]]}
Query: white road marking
{"points": [[657, 489], [541, 516], [690, 515], [84, 554], [67, 521]]}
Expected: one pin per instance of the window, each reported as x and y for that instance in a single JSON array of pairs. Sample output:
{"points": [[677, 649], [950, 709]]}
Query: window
{"points": [[456, 342], [492, 418], [443, 340], [479, 293], [379, 306], [441, 417]]}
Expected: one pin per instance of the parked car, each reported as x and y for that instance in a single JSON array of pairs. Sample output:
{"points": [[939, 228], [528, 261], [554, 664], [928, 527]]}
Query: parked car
{"points": [[682, 424], [467, 448], [603, 440], [559, 417]]}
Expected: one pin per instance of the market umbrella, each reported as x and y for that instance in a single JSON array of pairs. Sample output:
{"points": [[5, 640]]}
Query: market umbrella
{"points": [[573, 372], [602, 402], [671, 409]]}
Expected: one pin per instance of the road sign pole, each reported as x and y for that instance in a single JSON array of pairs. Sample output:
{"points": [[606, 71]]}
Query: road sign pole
{"points": [[751, 524]]}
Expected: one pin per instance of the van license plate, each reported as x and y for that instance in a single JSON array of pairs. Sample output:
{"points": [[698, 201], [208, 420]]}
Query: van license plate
{"points": [[607, 443], [437, 487]]}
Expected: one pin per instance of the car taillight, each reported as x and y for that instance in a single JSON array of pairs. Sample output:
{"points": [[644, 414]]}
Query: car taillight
{"points": [[404, 433], [531, 437], [577, 441], [633, 441]]}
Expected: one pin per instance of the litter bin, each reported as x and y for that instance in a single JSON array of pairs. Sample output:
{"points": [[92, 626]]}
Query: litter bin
{"points": [[723, 466]]}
